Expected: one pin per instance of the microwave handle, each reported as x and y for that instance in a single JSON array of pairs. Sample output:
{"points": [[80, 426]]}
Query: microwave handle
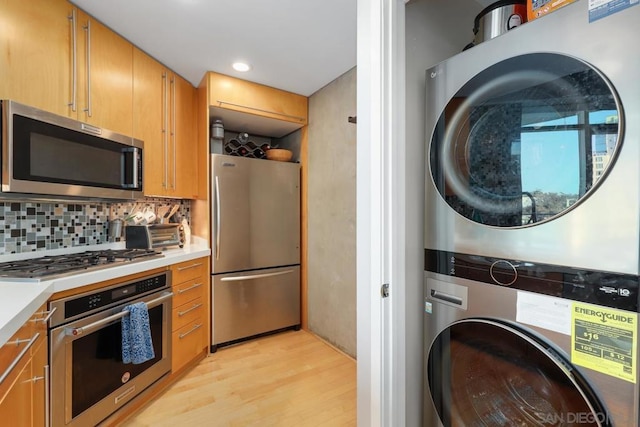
{"points": [[134, 153]]}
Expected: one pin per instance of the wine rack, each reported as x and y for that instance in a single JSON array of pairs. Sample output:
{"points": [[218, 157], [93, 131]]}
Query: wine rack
{"points": [[243, 147]]}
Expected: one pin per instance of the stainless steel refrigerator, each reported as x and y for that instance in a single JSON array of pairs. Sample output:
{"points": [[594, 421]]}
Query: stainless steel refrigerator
{"points": [[255, 262]]}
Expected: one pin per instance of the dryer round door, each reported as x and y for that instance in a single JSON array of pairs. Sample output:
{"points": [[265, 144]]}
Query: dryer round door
{"points": [[526, 140], [485, 373]]}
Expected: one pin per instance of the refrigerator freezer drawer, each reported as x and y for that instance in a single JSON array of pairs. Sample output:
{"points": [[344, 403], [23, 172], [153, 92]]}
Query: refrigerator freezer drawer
{"points": [[251, 303]]}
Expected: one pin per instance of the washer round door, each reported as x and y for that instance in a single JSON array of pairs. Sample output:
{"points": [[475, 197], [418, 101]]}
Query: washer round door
{"points": [[485, 373], [526, 140]]}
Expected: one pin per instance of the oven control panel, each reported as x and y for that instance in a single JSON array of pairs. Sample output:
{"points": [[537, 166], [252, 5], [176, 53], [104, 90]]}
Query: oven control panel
{"points": [[84, 304]]}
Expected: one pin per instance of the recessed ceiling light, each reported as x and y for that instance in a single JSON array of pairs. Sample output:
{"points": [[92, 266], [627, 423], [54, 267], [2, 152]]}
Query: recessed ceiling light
{"points": [[241, 66]]}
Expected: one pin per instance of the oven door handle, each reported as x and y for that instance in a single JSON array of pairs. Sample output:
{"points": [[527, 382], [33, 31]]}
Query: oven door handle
{"points": [[95, 325]]}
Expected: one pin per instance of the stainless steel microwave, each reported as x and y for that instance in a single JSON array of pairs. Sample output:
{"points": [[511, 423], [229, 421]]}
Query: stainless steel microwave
{"points": [[50, 155]]}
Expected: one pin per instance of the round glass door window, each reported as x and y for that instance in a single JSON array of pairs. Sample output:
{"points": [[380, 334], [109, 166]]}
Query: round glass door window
{"points": [[483, 373], [526, 140]]}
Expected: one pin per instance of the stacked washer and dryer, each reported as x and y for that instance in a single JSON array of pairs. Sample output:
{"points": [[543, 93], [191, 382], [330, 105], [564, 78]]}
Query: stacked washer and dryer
{"points": [[532, 225]]}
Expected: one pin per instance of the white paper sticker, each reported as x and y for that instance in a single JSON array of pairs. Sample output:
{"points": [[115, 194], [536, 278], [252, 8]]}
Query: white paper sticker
{"points": [[544, 312], [428, 307], [599, 9]]}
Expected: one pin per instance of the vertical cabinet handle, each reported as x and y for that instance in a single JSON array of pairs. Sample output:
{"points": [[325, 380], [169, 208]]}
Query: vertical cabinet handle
{"points": [[87, 28], [217, 218], [173, 127], [74, 60], [47, 397], [165, 125], [45, 377]]}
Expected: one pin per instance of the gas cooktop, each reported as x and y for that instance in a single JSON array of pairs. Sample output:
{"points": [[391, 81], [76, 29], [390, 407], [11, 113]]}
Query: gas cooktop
{"points": [[49, 267]]}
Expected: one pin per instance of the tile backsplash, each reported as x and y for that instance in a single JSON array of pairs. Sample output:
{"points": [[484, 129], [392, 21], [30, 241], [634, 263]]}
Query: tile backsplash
{"points": [[29, 226]]}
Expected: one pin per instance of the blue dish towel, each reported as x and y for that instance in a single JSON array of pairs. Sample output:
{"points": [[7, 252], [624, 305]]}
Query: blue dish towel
{"points": [[137, 346]]}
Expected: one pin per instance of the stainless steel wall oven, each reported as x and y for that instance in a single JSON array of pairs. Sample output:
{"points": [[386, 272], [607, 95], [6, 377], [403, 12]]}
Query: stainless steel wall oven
{"points": [[89, 380]]}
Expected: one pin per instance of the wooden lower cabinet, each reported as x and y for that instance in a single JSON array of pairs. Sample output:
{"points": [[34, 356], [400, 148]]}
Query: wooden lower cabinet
{"points": [[23, 392], [15, 407], [40, 378], [190, 311], [188, 343]]}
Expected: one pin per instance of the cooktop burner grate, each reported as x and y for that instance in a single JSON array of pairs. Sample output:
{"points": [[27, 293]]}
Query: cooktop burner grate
{"points": [[55, 265]]}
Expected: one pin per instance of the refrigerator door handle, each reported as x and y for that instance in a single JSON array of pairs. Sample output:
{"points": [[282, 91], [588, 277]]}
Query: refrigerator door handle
{"points": [[255, 276], [217, 218]]}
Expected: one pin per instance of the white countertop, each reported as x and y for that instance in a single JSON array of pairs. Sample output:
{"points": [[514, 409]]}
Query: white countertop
{"points": [[20, 299]]}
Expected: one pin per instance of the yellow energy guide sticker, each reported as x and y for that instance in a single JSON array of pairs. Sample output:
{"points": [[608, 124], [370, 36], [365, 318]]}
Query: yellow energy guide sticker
{"points": [[604, 339]]}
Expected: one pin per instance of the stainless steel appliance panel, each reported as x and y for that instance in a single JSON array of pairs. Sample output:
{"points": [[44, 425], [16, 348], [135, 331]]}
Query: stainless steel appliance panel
{"points": [[255, 213], [518, 388], [51, 155], [250, 303], [89, 381], [602, 230]]}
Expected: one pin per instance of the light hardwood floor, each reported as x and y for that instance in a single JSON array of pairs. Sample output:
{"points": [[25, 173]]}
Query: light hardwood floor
{"points": [[288, 379]]}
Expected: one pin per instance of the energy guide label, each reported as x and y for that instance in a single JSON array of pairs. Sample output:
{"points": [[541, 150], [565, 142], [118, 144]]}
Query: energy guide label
{"points": [[604, 340]]}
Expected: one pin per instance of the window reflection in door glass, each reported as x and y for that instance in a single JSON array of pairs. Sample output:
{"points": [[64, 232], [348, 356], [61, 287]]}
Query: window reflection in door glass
{"points": [[525, 140]]}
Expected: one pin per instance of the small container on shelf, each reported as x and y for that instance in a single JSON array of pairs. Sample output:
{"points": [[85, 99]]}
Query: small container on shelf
{"points": [[279, 154], [217, 130]]}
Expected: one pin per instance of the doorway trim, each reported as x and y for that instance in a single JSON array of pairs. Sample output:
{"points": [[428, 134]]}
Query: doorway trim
{"points": [[381, 198]]}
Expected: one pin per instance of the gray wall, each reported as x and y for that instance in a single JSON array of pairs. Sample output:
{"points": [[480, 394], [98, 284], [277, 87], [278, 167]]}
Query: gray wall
{"points": [[332, 213], [435, 30]]}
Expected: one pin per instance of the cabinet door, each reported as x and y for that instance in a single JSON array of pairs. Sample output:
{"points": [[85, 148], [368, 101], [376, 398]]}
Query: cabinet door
{"points": [[15, 403], [187, 342], [150, 117], [40, 375], [252, 98], [35, 54], [184, 153], [105, 77]]}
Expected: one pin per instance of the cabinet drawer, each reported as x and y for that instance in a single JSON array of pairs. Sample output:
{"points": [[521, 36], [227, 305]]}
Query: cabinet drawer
{"points": [[187, 343], [187, 313], [12, 352], [188, 270], [188, 291], [14, 345]]}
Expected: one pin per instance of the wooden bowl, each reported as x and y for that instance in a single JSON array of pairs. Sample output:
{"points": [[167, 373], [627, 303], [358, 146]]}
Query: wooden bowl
{"points": [[279, 154]]}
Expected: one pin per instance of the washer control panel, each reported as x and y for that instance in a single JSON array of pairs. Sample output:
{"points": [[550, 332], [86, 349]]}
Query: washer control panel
{"points": [[616, 290]]}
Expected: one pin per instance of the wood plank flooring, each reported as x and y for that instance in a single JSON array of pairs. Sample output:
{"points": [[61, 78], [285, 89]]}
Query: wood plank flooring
{"points": [[288, 379]]}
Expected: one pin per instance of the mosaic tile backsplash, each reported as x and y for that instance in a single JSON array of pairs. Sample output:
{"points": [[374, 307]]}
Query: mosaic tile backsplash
{"points": [[27, 226]]}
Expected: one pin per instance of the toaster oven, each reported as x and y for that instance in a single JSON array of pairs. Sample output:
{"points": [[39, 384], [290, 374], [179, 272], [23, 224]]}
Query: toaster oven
{"points": [[154, 236]]}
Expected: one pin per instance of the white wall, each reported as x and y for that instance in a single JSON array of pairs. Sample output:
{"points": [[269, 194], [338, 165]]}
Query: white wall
{"points": [[435, 30]]}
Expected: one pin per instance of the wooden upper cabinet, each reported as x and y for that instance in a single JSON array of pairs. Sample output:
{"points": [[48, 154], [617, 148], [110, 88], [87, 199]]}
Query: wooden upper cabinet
{"points": [[35, 54], [164, 118], [238, 95], [185, 139], [104, 76], [150, 88], [57, 58]]}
